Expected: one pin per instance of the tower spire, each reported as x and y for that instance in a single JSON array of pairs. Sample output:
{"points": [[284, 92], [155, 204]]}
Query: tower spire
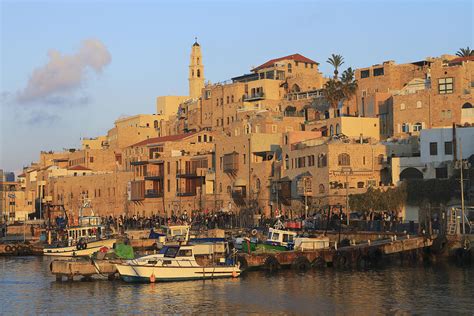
{"points": [[196, 71]]}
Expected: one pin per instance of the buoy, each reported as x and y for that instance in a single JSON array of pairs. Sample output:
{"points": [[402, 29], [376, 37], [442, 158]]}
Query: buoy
{"points": [[234, 274], [152, 278]]}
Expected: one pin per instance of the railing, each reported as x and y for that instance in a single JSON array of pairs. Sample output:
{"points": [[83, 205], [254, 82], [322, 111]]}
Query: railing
{"points": [[154, 174], [153, 194], [255, 96], [185, 193]]}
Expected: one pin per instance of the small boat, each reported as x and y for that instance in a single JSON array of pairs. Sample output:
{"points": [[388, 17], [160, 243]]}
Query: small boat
{"points": [[82, 240], [175, 263], [278, 239]]}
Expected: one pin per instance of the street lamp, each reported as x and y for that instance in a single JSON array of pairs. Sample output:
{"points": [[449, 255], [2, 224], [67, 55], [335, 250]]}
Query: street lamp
{"points": [[461, 165], [347, 171]]}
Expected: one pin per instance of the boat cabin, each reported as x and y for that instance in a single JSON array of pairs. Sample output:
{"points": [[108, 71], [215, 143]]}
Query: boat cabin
{"points": [[175, 252], [178, 233], [280, 237]]}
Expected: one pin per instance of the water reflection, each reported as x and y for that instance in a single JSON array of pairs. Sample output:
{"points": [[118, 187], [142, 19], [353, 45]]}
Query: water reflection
{"points": [[27, 287]]}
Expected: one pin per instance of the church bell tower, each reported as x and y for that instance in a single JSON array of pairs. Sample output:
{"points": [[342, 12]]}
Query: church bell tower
{"points": [[196, 72]]}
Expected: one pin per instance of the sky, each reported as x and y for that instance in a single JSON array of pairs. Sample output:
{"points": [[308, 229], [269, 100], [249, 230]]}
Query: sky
{"points": [[70, 69]]}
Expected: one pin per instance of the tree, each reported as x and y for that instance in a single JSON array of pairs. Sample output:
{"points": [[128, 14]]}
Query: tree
{"points": [[349, 84], [465, 52], [333, 93], [336, 61]]}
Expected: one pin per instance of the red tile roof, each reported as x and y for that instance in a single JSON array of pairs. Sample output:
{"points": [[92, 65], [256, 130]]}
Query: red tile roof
{"points": [[22, 175], [79, 167], [461, 59], [156, 140], [295, 57]]}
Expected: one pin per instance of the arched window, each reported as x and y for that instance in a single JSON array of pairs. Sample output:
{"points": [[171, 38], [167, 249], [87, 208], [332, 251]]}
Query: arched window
{"points": [[322, 161], [289, 68], [344, 160], [467, 105], [220, 187], [192, 73], [360, 184], [257, 185], [331, 130], [338, 129], [248, 128], [287, 162], [228, 189], [155, 124], [417, 127], [322, 189], [295, 88], [199, 73], [197, 61]]}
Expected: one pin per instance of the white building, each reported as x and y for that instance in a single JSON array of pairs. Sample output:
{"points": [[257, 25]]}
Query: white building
{"points": [[436, 144]]}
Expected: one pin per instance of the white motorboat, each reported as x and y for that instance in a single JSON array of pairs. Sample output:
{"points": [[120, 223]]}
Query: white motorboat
{"points": [[174, 263], [82, 240]]}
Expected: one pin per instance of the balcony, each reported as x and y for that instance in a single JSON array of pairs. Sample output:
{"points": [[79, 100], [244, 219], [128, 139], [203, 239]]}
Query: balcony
{"points": [[154, 175], [138, 163], [231, 162], [151, 194], [187, 173], [254, 97], [185, 193]]}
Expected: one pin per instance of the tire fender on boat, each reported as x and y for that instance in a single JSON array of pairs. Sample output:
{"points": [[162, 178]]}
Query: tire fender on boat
{"points": [[8, 248], [301, 263], [272, 264]]}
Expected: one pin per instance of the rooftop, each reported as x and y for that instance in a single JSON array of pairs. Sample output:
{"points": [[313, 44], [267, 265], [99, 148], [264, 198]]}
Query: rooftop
{"points": [[163, 139], [295, 57], [81, 168]]}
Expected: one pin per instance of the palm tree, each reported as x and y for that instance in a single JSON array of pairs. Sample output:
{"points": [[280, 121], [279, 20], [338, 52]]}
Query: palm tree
{"points": [[349, 84], [336, 61], [332, 92], [465, 52]]}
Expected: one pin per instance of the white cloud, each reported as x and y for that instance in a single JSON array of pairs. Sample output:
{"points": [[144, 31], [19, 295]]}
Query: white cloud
{"points": [[64, 74]]}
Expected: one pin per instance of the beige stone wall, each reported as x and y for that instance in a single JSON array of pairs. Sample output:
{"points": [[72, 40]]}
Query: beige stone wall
{"points": [[365, 168], [168, 105]]}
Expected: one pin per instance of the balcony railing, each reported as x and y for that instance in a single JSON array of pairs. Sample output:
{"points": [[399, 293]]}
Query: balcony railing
{"points": [[187, 173], [153, 194], [185, 193], [254, 97], [153, 175]]}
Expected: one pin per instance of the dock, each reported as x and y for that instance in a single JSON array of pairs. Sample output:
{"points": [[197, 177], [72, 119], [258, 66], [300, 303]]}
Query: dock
{"points": [[84, 269], [362, 255]]}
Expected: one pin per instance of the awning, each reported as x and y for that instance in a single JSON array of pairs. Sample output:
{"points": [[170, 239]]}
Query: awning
{"points": [[240, 183]]}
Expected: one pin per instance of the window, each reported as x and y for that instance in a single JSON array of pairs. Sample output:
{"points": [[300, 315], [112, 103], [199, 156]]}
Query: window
{"points": [[228, 99], [344, 160], [445, 85], [418, 104], [380, 159], [289, 68], [198, 73], [322, 161], [365, 73], [338, 129], [433, 148], [441, 173], [448, 148], [287, 162], [199, 139], [378, 72], [360, 184], [91, 159], [402, 106], [417, 127], [321, 189], [331, 130], [310, 160], [405, 128], [232, 98]]}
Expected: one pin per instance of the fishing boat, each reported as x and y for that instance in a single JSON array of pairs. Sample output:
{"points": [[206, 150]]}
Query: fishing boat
{"points": [[175, 263], [83, 239]]}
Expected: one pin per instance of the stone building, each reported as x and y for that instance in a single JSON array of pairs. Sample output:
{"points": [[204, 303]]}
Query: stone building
{"points": [[330, 169]]}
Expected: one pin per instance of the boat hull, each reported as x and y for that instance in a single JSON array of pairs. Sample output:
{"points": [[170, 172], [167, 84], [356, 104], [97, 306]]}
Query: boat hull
{"points": [[137, 273], [72, 251]]}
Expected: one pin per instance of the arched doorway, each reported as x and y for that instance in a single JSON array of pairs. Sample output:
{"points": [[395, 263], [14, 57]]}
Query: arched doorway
{"points": [[410, 174]]}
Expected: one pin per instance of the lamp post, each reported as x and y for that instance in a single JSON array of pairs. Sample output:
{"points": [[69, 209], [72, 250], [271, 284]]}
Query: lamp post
{"points": [[461, 164], [347, 171]]}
